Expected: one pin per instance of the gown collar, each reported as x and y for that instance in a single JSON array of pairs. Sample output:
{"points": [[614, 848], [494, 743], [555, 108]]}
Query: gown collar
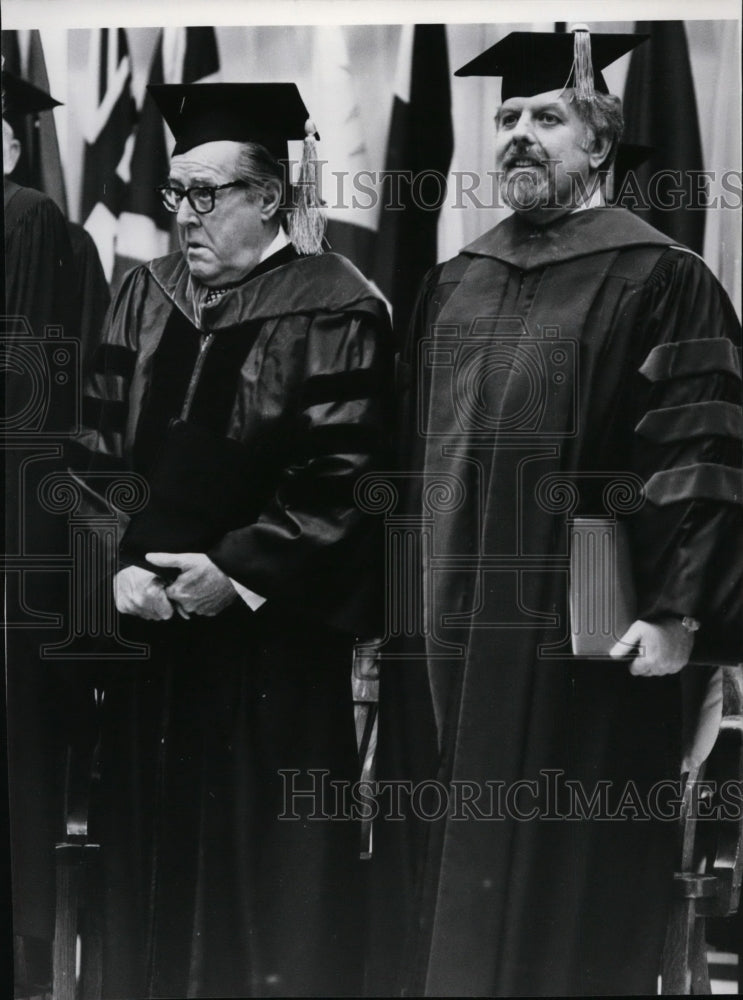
{"points": [[281, 285], [580, 234]]}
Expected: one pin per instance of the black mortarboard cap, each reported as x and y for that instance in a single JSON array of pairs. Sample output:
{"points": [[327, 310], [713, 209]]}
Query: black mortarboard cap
{"points": [[22, 98], [266, 113], [535, 62]]}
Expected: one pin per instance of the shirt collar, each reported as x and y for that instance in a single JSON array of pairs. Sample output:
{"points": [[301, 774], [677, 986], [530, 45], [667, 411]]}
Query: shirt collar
{"points": [[279, 241], [206, 296], [595, 201]]}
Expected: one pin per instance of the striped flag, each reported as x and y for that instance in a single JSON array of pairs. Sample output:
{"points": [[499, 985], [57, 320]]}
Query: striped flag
{"points": [[109, 139], [419, 151], [190, 55], [143, 230]]}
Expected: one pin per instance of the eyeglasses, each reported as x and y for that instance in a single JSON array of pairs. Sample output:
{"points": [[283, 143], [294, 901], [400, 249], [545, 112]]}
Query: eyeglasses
{"points": [[201, 198]]}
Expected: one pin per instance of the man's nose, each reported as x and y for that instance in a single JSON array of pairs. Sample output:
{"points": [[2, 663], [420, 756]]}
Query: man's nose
{"points": [[523, 130], [186, 214]]}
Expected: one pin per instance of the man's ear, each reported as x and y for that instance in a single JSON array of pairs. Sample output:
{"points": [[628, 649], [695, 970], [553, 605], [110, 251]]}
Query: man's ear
{"points": [[598, 151], [11, 150], [270, 200]]}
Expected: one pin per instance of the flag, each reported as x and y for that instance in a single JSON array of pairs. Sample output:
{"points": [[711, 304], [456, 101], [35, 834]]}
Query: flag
{"points": [[352, 213], [143, 231], [660, 109], [109, 139], [190, 54], [146, 229], [419, 153]]}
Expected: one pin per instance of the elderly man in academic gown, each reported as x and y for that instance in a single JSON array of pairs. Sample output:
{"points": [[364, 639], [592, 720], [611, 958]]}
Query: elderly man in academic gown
{"points": [[569, 363], [244, 379]]}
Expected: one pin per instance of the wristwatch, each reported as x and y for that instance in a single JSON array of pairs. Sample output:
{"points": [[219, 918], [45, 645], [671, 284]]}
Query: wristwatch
{"points": [[690, 624]]}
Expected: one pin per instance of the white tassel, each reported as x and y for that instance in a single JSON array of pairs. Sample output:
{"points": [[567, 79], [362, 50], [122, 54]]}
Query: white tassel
{"points": [[307, 219], [582, 63]]}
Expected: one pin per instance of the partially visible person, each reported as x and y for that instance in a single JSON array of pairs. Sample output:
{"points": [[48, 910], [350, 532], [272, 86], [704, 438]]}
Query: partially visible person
{"points": [[40, 290], [92, 292], [37, 280], [38, 255]]}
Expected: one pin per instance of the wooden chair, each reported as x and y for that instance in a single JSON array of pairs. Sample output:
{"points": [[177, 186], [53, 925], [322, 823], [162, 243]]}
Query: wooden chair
{"points": [[365, 687], [77, 952], [708, 882]]}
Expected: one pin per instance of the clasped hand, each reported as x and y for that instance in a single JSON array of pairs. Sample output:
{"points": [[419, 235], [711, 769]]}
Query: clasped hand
{"points": [[662, 647], [201, 588]]}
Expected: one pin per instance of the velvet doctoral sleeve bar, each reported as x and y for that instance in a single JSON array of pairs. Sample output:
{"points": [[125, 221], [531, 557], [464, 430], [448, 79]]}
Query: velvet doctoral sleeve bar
{"points": [[687, 449]]}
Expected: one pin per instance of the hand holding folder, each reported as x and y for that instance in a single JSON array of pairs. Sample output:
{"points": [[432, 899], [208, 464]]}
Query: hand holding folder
{"points": [[603, 603]]}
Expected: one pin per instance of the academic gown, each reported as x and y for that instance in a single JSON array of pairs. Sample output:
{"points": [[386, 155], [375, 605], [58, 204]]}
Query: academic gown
{"points": [[40, 383], [584, 368], [207, 891], [38, 260], [92, 293]]}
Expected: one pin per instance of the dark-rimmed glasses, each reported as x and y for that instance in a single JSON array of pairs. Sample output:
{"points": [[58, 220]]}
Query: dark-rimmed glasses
{"points": [[200, 198]]}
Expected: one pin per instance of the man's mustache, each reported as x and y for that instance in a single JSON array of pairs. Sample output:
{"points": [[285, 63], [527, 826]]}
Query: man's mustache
{"points": [[526, 154]]}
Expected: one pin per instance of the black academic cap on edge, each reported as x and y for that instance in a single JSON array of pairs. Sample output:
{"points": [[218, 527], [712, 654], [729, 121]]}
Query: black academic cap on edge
{"points": [[22, 98], [535, 62], [266, 113]]}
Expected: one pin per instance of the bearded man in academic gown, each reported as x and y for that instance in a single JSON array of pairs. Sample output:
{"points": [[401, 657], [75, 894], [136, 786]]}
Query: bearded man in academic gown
{"points": [[244, 379], [570, 362]]}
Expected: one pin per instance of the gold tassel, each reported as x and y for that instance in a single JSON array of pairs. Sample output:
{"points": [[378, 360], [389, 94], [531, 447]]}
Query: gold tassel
{"points": [[582, 64], [307, 219]]}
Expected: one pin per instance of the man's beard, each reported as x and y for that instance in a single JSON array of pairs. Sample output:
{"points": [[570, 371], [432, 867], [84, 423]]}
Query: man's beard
{"points": [[524, 190]]}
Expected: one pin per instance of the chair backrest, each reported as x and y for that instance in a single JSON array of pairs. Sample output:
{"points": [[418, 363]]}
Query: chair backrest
{"points": [[708, 881]]}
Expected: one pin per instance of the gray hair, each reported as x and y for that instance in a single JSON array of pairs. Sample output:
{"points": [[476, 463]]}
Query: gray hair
{"points": [[603, 118], [300, 209], [259, 171]]}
